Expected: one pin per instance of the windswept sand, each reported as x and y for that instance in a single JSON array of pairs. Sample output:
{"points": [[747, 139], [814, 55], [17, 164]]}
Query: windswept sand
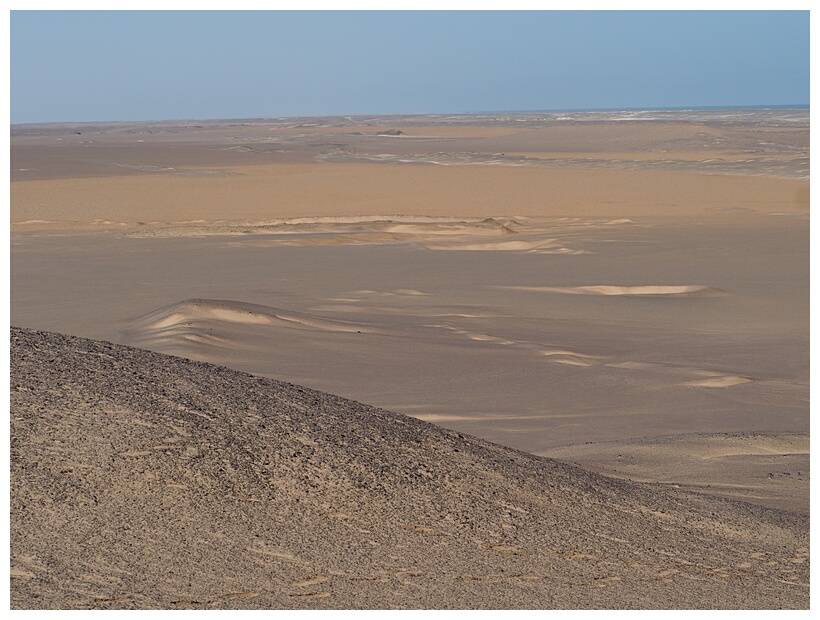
{"points": [[325, 189], [145, 481], [718, 346]]}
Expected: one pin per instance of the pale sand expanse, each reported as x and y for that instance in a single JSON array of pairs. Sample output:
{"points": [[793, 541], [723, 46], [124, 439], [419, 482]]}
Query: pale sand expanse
{"points": [[262, 192], [598, 304]]}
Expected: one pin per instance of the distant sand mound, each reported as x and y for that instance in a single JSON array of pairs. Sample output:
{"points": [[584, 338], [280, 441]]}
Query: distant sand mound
{"points": [[211, 322], [338, 231], [719, 381], [187, 312], [533, 246], [391, 132], [629, 291], [140, 480]]}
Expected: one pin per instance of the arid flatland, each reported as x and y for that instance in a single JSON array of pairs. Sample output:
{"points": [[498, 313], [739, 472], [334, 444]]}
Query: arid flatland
{"points": [[627, 292]]}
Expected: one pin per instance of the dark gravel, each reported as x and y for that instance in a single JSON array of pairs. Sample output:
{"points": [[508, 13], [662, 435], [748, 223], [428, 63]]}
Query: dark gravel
{"points": [[144, 481]]}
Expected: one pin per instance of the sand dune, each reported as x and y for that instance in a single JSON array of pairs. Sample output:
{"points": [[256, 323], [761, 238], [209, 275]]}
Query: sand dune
{"points": [[719, 381], [336, 230], [331, 240], [685, 375], [536, 246], [572, 358], [556, 356], [399, 291], [140, 480], [689, 290], [193, 319], [192, 310], [428, 233]]}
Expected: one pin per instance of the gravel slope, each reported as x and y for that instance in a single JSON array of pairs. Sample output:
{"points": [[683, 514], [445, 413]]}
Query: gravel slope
{"points": [[140, 480]]}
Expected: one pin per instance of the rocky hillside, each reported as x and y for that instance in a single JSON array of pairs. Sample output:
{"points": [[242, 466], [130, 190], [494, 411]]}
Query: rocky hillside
{"points": [[140, 480]]}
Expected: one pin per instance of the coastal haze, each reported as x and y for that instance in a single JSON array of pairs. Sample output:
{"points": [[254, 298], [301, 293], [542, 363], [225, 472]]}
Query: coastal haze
{"points": [[625, 291]]}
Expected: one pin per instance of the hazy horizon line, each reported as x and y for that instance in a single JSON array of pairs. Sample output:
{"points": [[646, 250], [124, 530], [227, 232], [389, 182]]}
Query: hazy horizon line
{"points": [[795, 106]]}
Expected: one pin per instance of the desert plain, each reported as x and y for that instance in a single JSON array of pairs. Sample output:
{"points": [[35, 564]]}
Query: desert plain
{"points": [[625, 292]]}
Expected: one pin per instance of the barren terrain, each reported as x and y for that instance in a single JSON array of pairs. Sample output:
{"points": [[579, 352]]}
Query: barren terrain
{"points": [[140, 480], [625, 291]]}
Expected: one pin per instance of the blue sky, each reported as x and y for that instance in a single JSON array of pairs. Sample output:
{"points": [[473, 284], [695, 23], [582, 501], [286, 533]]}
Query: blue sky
{"points": [[101, 66]]}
